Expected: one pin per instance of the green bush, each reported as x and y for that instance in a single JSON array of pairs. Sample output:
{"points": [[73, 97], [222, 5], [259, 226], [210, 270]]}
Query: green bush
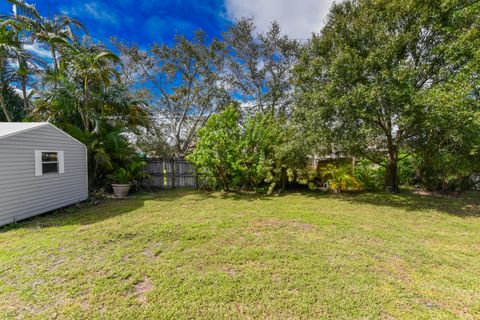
{"points": [[132, 173], [339, 178], [259, 154], [370, 176], [218, 150], [406, 170]]}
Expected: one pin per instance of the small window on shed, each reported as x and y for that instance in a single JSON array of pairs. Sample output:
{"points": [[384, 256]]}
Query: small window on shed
{"points": [[48, 162]]}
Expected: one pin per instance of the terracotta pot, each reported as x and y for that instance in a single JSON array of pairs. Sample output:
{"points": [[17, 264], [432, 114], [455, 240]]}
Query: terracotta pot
{"points": [[120, 191]]}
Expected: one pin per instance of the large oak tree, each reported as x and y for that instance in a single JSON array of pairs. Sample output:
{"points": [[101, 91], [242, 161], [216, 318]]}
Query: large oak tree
{"points": [[361, 79]]}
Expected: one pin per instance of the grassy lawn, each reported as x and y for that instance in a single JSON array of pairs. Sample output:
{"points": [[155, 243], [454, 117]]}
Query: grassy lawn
{"points": [[189, 254]]}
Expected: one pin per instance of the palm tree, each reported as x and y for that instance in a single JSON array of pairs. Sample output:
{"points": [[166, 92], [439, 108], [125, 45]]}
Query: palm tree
{"points": [[88, 104], [91, 69], [34, 27], [21, 24], [10, 50], [57, 32]]}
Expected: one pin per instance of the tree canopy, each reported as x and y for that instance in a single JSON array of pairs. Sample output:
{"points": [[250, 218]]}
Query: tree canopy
{"points": [[389, 86], [364, 79]]}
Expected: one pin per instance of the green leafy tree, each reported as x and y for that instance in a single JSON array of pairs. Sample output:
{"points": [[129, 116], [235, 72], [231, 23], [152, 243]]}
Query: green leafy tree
{"points": [[56, 33], [188, 84], [217, 152], [369, 175], [259, 67], [21, 24], [14, 103], [447, 146], [270, 155], [89, 102], [259, 153], [360, 79]]}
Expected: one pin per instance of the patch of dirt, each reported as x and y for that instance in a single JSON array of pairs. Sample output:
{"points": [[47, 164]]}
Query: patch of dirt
{"points": [[472, 208], [85, 305], [154, 250], [398, 269], [230, 271], [387, 316], [438, 194], [142, 288], [430, 304]]}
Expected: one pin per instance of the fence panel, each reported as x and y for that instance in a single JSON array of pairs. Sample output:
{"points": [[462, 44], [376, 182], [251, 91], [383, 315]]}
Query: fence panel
{"points": [[167, 173]]}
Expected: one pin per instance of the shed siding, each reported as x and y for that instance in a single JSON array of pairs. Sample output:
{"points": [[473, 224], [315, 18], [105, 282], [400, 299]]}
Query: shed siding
{"points": [[22, 194]]}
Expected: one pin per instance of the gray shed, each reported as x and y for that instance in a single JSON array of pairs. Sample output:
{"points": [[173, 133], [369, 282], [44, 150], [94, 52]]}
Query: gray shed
{"points": [[41, 169]]}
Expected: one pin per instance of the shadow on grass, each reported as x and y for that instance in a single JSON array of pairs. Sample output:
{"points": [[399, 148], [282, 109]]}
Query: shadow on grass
{"points": [[84, 215], [90, 214], [464, 205], [199, 195]]}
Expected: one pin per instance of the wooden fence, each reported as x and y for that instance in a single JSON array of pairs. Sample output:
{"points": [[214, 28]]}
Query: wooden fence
{"points": [[171, 173]]}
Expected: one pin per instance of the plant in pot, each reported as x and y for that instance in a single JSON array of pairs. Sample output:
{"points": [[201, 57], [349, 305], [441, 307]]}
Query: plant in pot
{"points": [[121, 182], [123, 178]]}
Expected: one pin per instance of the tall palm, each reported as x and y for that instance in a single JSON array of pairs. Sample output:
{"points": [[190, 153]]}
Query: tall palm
{"points": [[54, 32], [26, 9], [57, 32], [86, 72], [10, 50], [22, 21]]}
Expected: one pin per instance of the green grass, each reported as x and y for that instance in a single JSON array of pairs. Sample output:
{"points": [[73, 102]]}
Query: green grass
{"points": [[189, 254]]}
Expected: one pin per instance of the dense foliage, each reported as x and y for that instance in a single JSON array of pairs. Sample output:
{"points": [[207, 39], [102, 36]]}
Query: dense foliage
{"points": [[390, 75], [387, 93], [80, 91], [254, 154]]}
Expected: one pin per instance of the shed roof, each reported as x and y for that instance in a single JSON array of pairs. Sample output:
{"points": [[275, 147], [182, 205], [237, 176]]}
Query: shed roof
{"points": [[11, 128]]}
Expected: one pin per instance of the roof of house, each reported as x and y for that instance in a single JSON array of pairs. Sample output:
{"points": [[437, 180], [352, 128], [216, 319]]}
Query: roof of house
{"points": [[10, 128]]}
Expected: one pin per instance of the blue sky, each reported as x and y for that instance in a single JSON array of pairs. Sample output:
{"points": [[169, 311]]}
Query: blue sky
{"points": [[138, 21], [144, 22]]}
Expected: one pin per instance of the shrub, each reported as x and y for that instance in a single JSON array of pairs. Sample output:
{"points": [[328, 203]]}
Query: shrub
{"points": [[406, 170], [218, 150], [371, 177], [260, 154], [339, 178], [132, 173]]}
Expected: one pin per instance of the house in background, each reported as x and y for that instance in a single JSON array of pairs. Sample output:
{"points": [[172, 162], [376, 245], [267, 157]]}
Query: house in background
{"points": [[41, 169]]}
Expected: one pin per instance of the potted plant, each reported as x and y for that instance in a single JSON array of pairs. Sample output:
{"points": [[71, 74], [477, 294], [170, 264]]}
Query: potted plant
{"points": [[123, 178], [121, 183]]}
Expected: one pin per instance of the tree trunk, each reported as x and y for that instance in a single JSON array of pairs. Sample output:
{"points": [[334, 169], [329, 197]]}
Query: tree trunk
{"points": [[4, 106], [24, 92], [391, 181], [54, 58], [391, 178]]}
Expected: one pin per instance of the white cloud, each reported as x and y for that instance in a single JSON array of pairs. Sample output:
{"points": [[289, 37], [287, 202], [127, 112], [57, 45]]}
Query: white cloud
{"points": [[38, 49], [100, 13], [93, 10], [19, 92], [297, 18]]}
